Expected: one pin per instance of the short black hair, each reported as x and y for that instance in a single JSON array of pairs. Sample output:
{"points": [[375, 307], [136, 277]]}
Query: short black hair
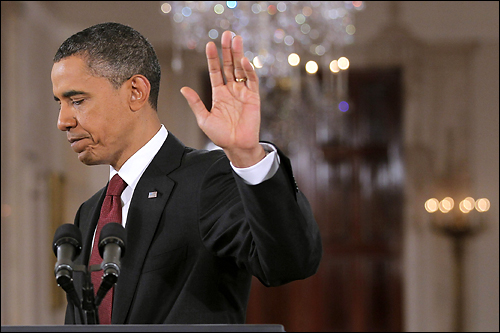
{"points": [[116, 52]]}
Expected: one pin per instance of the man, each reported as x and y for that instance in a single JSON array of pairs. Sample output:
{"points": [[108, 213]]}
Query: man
{"points": [[199, 224]]}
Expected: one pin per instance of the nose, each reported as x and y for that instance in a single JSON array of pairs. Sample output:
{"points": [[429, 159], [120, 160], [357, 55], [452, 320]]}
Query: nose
{"points": [[66, 119]]}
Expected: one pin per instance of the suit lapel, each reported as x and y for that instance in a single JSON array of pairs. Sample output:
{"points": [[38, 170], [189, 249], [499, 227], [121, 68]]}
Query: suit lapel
{"points": [[148, 202], [88, 229]]}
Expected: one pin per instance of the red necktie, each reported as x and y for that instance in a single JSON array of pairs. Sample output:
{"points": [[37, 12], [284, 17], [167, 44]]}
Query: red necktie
{"points": [[111, 211]]}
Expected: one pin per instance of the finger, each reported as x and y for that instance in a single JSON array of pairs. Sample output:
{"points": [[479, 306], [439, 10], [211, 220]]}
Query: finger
{"points": [[214, 65], [237, 51], [227, 56], [252, 78], [196, 105]]}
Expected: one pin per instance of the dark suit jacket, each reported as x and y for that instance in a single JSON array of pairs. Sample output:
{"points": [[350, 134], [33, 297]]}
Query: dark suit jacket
{"points": [[192, 250]]}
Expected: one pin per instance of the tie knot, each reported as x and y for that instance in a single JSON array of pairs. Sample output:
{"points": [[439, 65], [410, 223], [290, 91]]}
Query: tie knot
{"points": [[116, 186]]}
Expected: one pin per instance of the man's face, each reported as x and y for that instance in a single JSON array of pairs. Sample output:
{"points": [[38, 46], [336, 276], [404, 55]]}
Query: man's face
{"points": [[95, 115]]}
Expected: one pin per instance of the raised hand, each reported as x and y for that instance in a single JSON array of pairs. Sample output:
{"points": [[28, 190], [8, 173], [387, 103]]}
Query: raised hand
{"points": [[233, 123]]}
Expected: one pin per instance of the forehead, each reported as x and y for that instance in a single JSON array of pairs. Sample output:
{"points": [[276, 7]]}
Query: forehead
{"points": [[72, 73], [70, 66]]}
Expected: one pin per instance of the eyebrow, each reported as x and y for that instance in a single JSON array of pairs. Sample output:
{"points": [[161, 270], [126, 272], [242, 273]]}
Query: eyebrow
{"points": [[70, 93]]}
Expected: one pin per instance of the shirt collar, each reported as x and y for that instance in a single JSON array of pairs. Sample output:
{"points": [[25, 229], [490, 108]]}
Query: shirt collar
{"points": [[134, 167]]}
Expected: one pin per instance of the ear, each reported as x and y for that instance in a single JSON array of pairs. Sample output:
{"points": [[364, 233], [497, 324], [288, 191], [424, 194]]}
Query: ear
{"points": [[140, 89]]}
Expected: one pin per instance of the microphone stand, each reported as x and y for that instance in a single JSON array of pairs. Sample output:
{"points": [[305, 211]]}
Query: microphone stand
{"points": [[88, 303], [113, 236]]}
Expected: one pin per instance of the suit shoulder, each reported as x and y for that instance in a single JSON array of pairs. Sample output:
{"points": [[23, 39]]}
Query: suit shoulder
{"points": [[93, 200], [203, 156]]}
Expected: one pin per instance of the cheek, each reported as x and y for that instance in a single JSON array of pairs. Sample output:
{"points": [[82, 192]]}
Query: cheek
{"points": [[98, 123]]}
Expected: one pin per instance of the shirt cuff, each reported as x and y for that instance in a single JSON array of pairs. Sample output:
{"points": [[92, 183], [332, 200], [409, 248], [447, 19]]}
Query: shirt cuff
{"points": [[263, 170]]}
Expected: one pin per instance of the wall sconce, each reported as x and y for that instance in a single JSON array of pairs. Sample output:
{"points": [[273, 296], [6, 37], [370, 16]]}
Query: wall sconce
{"points": [[460, 222], [457, 223]]}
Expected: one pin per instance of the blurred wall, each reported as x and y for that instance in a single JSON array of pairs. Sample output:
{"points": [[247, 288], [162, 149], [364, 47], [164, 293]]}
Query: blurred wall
{"points": [[33, 148]]}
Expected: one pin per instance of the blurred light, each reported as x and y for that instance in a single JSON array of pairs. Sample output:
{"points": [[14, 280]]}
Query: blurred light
{"points": [[358, 5], [343, 63], [289, 40], [482, 205], [320, 50], [219, 9], [300, 19], [166, 8], [305, 28], [256, 8], [178, 17], [432, 205], [213, 34], [279, 34], [293, 59], [307, 11], [257, 62], [446, 205], [311, 67], [271, 10], [231, 4], [334, 66], [186, 11], [343, 106], [467, 205], [314, 34], [471, 201], [326, 25]]}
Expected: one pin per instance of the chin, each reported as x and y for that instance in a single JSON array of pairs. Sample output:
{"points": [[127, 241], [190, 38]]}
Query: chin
{"points": [[89, 159]]}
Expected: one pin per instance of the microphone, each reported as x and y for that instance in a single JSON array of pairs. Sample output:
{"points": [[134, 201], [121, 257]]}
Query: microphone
{"points": [[67, 246], [111, 248]]}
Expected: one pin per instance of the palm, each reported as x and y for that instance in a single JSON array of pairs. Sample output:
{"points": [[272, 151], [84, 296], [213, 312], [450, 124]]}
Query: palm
{"points": [[233, 123], [234, 119]]}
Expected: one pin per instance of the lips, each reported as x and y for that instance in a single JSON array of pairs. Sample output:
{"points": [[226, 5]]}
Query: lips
{"points": [[77, 143]]}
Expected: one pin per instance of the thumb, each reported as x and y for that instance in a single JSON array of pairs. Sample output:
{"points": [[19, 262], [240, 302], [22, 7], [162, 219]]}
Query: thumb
{"points": [[196, 104]]}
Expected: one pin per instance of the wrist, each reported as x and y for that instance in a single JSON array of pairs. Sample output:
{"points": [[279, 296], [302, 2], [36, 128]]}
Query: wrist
{"points": [[244, 158]]}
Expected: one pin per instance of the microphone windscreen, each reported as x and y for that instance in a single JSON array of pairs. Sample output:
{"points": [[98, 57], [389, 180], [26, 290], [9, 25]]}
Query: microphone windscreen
{"points": [[115, 233], [67, 233]]}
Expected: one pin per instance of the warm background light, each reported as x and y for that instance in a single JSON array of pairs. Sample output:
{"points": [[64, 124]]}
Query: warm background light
{"points": [[293, 59], [166, 8], [257, 62], [334, 66], [343, 63], [466, 205], [311, 67], [432, 205], [482, 205], [446, 205]]}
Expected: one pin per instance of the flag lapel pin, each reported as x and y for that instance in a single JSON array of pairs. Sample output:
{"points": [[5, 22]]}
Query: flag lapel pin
{"points": [[152, 194]]}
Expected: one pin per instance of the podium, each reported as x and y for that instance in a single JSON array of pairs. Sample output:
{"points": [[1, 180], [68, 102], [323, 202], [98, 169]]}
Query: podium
{"points": [[146, 328]]}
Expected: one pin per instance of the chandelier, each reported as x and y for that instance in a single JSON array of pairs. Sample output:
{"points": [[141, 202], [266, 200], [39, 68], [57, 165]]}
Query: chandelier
{"points": [[287, 42], [277, 35]]}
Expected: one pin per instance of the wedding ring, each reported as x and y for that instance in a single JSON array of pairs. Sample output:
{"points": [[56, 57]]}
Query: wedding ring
{"points": [[243, 79]]}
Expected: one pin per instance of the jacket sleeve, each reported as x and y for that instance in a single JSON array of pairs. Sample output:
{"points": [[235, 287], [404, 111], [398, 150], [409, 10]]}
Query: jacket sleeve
{"points": [[268, 229]]}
